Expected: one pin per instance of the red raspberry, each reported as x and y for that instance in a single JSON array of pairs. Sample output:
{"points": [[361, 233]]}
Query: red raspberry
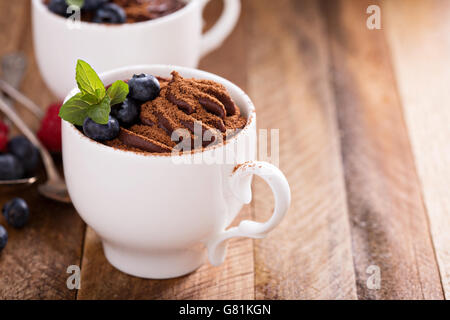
{"points": [[50, 131], [4, 130]]}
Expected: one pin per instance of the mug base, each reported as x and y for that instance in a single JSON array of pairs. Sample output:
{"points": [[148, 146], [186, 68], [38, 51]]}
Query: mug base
{"points": [[148, 265]]}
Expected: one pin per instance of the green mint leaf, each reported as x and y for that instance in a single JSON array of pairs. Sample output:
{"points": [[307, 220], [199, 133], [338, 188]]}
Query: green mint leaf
{"points": [[92, 101], [75, 110], [118, 92], [89, 82], [100, 112], [78, 3], [89, 98]]}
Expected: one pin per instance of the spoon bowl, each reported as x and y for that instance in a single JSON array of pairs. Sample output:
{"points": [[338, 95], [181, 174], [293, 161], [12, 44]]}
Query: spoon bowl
{"points": [[18, 182], [12, 187], [55, 191], [55, 187]]}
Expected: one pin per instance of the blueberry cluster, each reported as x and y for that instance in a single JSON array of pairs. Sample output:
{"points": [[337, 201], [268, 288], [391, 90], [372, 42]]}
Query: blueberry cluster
{"points": [[21, 160], [101, 11], [142, 88], [17, 214]]}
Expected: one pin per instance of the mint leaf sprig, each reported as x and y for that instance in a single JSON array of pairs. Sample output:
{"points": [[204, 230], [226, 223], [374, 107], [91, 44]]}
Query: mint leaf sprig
{"points": [[93, 100], [77, 3]]}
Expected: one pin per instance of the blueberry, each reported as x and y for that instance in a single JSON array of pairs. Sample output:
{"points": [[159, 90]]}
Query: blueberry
{"points": [[3, 237], [26, 153], [101, 132], [10, 167], [16, 212], [143, 87], [59, 7], [110, 13], [127, 112], [93, 4]]}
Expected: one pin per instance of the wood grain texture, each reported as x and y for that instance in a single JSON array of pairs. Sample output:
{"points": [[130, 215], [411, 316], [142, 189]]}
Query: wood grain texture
{"points": [[364, 130], [234, 279], [34, 263], [13, 34], [309, 255], [388, 220], [17, 37], [419, 37]]}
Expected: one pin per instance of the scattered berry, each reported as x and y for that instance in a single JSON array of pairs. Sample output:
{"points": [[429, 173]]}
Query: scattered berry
{"points": [[10, 167], [110, 13], [3, 127], [127, 112], [3, 141], [144, 87], [26, 153], [4, 130], [93, 4], [101, 132], [50, 131], [3, 237], [59, 7], [16, 212]]}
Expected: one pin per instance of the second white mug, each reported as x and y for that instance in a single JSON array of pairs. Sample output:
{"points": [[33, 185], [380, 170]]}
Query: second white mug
{"points": [[175, 39]]}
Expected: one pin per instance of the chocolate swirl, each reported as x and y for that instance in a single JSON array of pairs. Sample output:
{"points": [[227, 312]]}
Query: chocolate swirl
{"points": [[198, 107], [143, 10]]}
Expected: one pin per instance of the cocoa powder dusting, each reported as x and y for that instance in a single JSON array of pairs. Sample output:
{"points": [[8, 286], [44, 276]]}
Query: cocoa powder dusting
{"points": [[185, 111], [117, 144], [144, 10]]}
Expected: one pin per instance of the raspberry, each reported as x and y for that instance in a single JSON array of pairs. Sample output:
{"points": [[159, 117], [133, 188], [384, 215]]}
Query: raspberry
{"points": [[50, 131], [3, 127], [3, 136]]}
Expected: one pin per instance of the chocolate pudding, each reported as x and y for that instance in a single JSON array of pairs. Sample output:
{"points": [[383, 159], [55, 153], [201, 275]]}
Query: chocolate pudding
{"points": [[144, 10], [118, 11], [188, 113]]}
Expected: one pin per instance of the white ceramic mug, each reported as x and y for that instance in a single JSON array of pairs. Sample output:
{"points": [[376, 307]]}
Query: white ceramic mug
{"points": [[156, 214], [174, 39]]}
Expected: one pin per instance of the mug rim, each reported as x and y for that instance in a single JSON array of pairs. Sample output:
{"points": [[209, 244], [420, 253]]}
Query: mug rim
{"points": [[39, 5], [198, 73]]}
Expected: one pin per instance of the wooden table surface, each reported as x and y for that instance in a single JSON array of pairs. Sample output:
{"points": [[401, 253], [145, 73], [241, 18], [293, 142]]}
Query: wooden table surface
{"points": [[364, 119]]}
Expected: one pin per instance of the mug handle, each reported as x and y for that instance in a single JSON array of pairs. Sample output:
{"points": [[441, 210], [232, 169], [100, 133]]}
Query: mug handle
{"points": [[212, 39], [251, 229]]}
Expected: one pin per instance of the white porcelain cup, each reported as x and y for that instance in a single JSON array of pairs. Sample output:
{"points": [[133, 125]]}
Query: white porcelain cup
{"points": [[157, 215], [175, 39]]}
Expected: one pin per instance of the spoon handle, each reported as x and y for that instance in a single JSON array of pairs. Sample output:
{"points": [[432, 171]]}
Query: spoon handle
{"points": [[52, 173], [12, 68], [21, 98]]}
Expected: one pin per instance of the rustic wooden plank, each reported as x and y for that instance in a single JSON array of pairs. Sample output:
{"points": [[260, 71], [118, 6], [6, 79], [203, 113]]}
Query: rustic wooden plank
{"points": [[230, 60], [234, 279], [13, 32], [34, 263], [388, 220], [33, 85], [418, 34], [285, 48], [309, 255]]}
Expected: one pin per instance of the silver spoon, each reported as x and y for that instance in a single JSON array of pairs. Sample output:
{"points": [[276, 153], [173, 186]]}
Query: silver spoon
{"points": [[21, 99], [55, 187], [13, 68]]}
